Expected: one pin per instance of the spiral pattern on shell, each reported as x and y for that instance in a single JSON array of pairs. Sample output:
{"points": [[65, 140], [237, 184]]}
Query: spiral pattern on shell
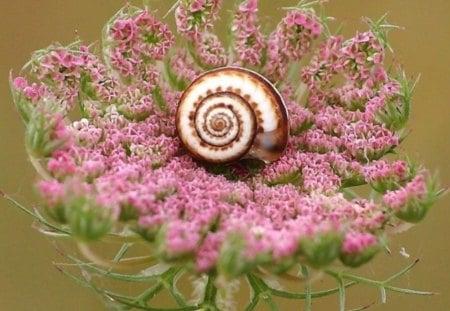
{"points": [[231, 113]]}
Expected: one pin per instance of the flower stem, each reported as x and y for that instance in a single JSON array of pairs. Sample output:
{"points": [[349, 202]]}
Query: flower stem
{"points": [[382, 285], [122, 263], [308, 298], [209, 299]]}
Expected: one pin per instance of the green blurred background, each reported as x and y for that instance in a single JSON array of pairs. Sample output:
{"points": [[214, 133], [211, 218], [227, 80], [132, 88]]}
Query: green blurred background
{"points": [[28, 281]]}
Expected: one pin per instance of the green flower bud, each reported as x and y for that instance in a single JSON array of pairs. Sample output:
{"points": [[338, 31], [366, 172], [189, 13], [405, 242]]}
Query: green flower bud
{"points": [[88, 220], [357, 259], [231, 261], [321, 249]]}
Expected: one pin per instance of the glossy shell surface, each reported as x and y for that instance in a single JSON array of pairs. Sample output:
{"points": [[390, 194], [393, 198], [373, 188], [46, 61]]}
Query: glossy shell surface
{"points": [[231, 113]]}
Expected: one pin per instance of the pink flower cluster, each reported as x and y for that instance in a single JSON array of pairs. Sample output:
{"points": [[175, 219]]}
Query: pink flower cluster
{"points": [[364, 54], [325, 63], [290, 41], [122, 155], [62, 72], [134, 41], [193, 17], [209, 50], [249, 41], [359, 247], [182, 69], [414, 197]]}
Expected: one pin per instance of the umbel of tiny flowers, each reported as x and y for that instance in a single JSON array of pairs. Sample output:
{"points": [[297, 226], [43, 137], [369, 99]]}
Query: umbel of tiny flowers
{"points": [[117, 172]]}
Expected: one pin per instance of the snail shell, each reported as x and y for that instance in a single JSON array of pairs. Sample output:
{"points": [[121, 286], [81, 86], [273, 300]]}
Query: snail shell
{"points": [[231, 113]]}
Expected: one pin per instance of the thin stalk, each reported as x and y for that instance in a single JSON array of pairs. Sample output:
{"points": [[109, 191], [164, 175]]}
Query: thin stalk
{"points": [[38, 166], [123, 263], [123, 249], [34, 214], [308, 289], [262, 291], [402, 272], [381, 285], [107, 273], [341, 294], [209, 299], [163, 281], [318, 294], [172, 8]]}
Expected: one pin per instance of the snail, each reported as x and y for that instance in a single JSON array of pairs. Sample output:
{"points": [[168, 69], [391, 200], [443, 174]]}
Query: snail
{"points": [[231, 113]]}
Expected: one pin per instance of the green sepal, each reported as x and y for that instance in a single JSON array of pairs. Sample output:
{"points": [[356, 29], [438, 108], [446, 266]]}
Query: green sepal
{"points": [[231, 261], [322, 249], [357, 259], [294, 178], [416, 209], [87, 220]]}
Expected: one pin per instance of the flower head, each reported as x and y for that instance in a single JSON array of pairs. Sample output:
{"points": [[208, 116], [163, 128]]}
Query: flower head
{"points": [[121, 163]]}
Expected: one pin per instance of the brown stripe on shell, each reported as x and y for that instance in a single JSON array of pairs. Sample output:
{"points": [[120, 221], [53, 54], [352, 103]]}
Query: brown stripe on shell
{"points": [[237, 115]]}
